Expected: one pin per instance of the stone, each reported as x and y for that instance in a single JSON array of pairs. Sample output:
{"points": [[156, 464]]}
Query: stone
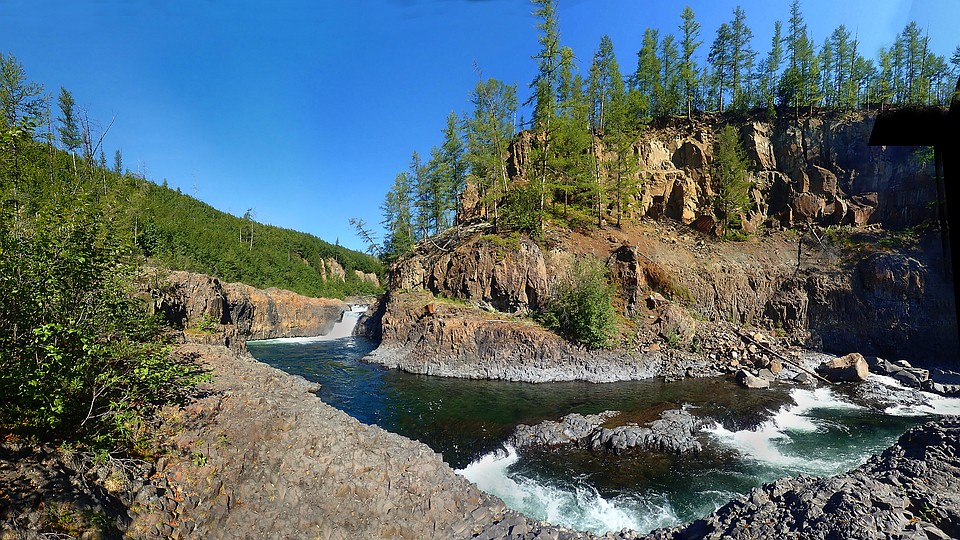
{"points": [[747, 380], [822, 181], [850, 368], [776, 366]]}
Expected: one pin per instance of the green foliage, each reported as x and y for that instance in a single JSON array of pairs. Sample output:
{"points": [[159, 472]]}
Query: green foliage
{"points": [[730, 180], [581, 306], [180, 232], [521, 210], [78, 356]]}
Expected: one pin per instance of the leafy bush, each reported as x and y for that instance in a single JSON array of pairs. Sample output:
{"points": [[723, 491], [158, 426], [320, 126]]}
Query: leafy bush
{"points": [[581, 306], [79, 358]]}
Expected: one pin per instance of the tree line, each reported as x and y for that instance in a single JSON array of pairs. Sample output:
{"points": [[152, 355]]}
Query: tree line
{"points": [[79, 357], [578, 164]]}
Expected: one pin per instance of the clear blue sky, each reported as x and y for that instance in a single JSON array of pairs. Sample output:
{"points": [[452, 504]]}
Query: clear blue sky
{"points": [[305, 111]]}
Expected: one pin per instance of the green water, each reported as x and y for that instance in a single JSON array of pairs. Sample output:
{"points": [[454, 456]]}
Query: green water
{"points": [[760, 435]]}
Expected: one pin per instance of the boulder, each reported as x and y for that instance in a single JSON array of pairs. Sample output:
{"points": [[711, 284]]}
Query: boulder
{"points": [[822, 181], [850, 368], [748, 380]]}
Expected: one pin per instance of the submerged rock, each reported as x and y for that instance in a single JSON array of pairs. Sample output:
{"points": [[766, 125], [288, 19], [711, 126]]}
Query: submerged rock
{"points": [[748, 380]]}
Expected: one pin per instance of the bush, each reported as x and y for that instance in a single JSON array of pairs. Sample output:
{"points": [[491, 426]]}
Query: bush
{"points": [[79, 358], [581, 306]]}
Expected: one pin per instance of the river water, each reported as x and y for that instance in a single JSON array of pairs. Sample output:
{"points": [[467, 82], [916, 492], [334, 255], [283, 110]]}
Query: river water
{"points": [[759, 435]]}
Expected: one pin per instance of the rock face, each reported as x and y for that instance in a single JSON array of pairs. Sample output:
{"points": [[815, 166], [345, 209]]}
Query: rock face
{"points": [[458, 340], [815, 169], [509, 274], [210, 311], [910, 491]]}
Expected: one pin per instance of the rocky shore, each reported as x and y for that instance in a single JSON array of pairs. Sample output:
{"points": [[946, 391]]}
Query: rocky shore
{"points": [[912, 490], [255, 455], [258, 455]]}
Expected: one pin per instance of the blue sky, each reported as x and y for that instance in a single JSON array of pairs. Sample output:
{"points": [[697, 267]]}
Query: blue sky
{"points": [[306, 111]]}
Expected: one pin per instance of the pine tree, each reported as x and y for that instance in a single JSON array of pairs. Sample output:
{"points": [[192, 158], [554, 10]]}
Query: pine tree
{"points": [[799, 81], [667, 96], [720, 61], [690, 30], [545, 87], [646, 79], [489, 131], [771, 70], [453, 156], [118, 161], [741, 60], [69, 130], [573, 162], [730, 181], [605, 84], [398, 219]]}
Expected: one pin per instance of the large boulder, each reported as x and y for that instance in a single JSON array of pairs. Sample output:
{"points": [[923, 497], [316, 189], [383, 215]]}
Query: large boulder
{"points": [[850, 368], [748, 380]]}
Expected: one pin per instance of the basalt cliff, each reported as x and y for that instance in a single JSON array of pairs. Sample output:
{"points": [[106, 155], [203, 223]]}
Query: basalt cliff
{"points": [[845, 254], [209, 311]]}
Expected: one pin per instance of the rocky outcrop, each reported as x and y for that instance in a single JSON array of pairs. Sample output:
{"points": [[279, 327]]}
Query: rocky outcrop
{"points": [[674, 432], [910, 491], [849, 368], [209, 311], [455, 339], [506, 273], [817, 168]]}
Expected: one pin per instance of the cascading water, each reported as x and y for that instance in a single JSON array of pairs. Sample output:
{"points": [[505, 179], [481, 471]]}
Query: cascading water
{"points": [[341, 329], [791, 430]]}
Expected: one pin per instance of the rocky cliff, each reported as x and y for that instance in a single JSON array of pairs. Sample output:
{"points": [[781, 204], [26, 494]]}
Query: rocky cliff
{"points": [[841, 281], [209, 311], [815, 169]]}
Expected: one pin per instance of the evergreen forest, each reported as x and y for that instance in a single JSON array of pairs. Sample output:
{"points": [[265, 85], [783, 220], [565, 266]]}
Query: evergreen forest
{"points": [[577, 167]]}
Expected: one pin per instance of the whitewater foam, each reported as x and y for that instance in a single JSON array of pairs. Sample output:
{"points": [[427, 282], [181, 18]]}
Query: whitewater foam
{"points": [[577, 505], [766, 444]]}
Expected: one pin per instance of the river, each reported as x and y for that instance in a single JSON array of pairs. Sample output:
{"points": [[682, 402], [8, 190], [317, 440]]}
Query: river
{"points": [[759, 435]]}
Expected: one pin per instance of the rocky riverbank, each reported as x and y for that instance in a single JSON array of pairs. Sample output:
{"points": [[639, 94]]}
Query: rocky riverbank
{"points": [[255, 455], [912, 490], [215, 313]]}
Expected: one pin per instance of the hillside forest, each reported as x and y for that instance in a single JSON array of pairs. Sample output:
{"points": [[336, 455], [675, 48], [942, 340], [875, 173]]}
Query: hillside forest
{"points": [[79, 358], [578, 166]]}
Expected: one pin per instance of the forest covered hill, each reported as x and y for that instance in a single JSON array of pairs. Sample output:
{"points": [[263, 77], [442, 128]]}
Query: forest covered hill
{"points": [[63, 163]]}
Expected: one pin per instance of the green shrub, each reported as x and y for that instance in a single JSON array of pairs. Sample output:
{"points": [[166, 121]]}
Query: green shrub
{"points": [[581, 306], [79, 358]]}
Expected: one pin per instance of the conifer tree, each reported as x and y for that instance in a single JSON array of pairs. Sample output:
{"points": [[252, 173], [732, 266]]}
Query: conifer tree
{"points": [[741, 60], [690, 30], [730, 181], [453, 157], [646, 79], [605, 84], [771, 69], [489, 130], [545, 87], [69, 130], [398, 219], [720, 62], [667, 96]]}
